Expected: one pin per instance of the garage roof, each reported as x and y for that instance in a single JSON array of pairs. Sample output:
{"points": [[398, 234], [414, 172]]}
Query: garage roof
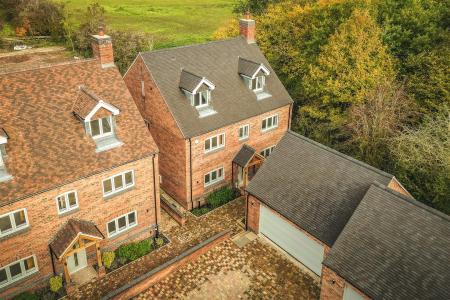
{"points": [[394, 247], [315, 187]]}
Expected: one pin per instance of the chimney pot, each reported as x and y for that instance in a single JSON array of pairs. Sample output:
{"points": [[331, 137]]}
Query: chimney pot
{"points": [[247, 29], [101, 31]]}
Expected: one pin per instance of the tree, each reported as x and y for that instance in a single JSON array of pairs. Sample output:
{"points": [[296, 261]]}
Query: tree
{"points": [[378, 119], [94, 18], [349, 67], [422, 158]]}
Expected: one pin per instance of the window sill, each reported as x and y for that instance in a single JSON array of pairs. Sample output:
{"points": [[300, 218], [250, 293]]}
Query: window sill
{"points": [[69, 212], [243, 139], [261, 95], [107, 197], [213, 184], [4, 176], [111, 238], [18, 281], [268, 130], [215, 151], [15, 233]]}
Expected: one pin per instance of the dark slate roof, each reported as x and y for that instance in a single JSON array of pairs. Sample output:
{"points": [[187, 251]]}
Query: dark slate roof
{"points": [[315, 187], [244, 155], [247, 67], [69, 231], [394, 247], [218, 62], [189, 81], [47, 144]]}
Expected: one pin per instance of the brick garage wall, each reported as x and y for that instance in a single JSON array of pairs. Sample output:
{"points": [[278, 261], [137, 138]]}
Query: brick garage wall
{"points": [[167, 135], [333, 286], [203, 162], [45, 222], [252, 215]]}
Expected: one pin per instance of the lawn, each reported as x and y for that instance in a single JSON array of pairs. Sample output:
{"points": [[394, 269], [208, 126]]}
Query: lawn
{"points": [[172, 22]]}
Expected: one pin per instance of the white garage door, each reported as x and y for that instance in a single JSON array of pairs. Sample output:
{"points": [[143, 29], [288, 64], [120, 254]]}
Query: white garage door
{"points": [[290, 239]]}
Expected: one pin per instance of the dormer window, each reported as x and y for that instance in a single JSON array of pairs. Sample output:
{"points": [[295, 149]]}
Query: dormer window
{"points": [[254, 75], [4, 175], [98, 117], [198, 92]]}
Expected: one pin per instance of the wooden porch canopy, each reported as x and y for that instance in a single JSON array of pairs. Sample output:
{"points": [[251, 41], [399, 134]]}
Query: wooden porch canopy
{"points": [[248, 160], [75, 236]]}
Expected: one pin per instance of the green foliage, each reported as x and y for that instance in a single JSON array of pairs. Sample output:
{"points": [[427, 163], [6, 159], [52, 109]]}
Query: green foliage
{"points": [[422, 159], [26, 296], [108, 258], [134, 251], [199, 211], [55, 283], [349, 67], [220, 197], [159, 241]]}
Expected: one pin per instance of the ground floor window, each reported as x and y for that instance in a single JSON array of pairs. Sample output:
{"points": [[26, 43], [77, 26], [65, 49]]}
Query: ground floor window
{"points": [[122, 223], [17, 270], [266, 152], [214, 176]]}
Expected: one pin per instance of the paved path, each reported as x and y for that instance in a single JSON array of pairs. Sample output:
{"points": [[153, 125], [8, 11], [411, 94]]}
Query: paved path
{"points": [[182, 238]]}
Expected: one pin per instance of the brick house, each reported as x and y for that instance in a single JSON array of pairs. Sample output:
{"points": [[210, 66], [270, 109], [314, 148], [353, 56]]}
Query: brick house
{"points": [[304, 194], [203, 104], [78, 169], [393, 247]]}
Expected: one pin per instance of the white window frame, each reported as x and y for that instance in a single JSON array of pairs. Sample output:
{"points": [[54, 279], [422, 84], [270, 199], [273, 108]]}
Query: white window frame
{"points": [[218, 179], [115, 190], [66, 199], [23, 274], [100, 123], [243, 127], [268, 149], [199, 94], [116, 222], [15, 228], [258, 79], [275, 121], [219, 146]]}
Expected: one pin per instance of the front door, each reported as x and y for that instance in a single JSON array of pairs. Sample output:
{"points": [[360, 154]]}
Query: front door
{"points": [[77, 261]]}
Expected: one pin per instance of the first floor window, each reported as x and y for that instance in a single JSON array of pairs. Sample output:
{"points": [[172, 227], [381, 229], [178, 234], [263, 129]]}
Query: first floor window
{"points": [[101, 127], [118, 183], [122, 224], [269, 123], [244, 131], [215, 142], [13, 221], [17, 270], [214, 176], [266, 152], [67, 202]]}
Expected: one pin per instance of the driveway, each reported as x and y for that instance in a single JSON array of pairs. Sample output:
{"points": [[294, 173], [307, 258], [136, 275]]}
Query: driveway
{"points": [[255, 271]]}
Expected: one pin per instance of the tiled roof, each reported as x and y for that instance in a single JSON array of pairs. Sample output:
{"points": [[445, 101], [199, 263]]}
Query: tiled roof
{"points": [[394, 247], [85, 103], [218, 62], [247, 67], [315, 187], [244, 155], [69, 231], [3, 133], [189, 81], [47, 144]]}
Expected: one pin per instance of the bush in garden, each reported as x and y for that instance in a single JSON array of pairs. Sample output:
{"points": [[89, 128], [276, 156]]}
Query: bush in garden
{"points": [[108, 258], [220, 197], [55, 283], [200, 210], [159, 241], [133, 251], [26, 296]]}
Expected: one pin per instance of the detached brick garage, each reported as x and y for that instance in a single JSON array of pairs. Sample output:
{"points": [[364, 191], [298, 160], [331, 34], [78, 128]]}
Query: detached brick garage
{"points": [[304, 194]]}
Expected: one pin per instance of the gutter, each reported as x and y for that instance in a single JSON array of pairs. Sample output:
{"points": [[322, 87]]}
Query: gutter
{"points": [[154, 195], [190, 172]]}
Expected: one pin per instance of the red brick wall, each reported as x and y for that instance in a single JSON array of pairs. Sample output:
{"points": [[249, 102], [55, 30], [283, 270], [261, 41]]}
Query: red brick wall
{"points": [[333, 286], [163, 128], [203, 162], [104, 52], [252, 215], [45, 222]]}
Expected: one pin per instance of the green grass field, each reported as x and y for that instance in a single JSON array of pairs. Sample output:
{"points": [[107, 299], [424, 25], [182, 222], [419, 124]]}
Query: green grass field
{"points": [[172, 22]]}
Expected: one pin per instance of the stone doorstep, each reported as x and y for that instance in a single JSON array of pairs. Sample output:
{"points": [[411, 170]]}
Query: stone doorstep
{"points": [[243, 238]]}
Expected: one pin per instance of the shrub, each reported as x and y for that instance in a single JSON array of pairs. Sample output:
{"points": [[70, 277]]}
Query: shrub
{"points": [[200, 211], [26, 296], [108, 258], [55, 283], [159, 241], [220, 197], [133, 251]]}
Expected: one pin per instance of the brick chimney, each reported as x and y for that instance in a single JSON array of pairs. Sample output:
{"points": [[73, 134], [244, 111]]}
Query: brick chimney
{"points": [[247, 28], [102, 48]]}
